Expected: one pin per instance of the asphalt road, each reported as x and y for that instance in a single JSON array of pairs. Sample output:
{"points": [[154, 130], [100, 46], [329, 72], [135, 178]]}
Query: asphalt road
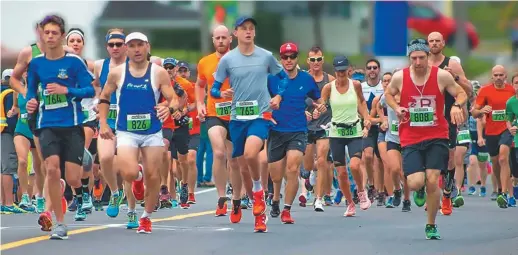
{"points": [[480, 227]]}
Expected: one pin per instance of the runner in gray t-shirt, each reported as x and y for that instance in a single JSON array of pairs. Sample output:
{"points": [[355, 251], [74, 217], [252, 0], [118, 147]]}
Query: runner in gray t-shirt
{"points": [[247, 67]]}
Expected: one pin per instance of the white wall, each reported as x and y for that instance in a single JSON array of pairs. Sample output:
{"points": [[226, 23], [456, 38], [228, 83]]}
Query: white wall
{"points": [[19, 17]]}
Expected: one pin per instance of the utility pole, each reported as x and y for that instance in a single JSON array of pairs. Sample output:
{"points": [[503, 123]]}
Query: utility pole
{"points": [[461, 35], [204, 28]]}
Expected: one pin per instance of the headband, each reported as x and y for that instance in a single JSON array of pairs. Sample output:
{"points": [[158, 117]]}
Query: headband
{"points": [[115, 36], [74, 31], [417, 45]]}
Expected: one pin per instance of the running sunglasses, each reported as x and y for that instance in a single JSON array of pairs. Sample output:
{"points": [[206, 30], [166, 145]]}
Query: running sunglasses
{"points": [[418, 41], [169, 67], [285, 57], [118, 44], [372, 68], [313, 59]]}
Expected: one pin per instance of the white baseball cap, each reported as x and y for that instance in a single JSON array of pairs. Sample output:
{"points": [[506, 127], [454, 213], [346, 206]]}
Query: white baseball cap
{"points": [[136, 36], [455, 58], [7, 73]]}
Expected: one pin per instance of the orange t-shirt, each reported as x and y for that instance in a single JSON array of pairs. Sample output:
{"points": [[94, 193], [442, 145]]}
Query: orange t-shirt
{"points": [[188, 87], [497, 99], [169, 122], [206, 69]]}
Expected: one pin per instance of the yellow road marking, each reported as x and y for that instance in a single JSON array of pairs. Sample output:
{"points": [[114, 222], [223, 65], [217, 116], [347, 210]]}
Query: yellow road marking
{"points": [[37, 239]]}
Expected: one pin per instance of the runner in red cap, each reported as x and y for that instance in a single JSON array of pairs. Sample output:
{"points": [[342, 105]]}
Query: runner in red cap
{"points": [[287, 139], [423, 129]]}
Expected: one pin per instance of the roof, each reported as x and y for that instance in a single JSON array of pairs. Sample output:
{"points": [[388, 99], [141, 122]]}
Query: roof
{"points": [[147, 14]]}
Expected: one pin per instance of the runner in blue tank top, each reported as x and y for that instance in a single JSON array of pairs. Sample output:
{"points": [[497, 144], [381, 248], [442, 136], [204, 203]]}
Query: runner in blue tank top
{"points": [[247, 66], [65, 81], [138, 85], [106, 147]]}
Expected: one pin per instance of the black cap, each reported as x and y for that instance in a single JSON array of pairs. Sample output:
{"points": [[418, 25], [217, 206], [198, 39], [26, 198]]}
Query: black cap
{"points": [[340, 63], [183, 64]]}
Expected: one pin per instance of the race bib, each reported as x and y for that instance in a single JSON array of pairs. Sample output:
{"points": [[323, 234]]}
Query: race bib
{"points": [[347, 132], [247, 110], [394, 127], [112, 114], [138, 122], [483, 156], [463, 137], [421, 117], [23, 117], [223, 109], [498, 115], [52, 102], [190, 123]]}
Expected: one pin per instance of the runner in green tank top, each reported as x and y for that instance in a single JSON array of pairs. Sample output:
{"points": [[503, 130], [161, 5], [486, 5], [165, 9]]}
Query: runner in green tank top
{"points": [[346, 99]]}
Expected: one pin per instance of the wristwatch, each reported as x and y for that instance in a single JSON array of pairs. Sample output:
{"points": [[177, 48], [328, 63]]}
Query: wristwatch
{"points": [[457, 105]]}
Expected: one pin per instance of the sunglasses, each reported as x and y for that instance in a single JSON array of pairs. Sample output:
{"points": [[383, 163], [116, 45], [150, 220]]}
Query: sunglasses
{"points": [[318, 59], [418, 41], [169, 67], [118, 44], [285, 57], [372, 68]]}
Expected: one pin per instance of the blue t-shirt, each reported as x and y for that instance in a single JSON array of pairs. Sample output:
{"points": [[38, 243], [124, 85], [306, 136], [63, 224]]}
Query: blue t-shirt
{"points": [[59, 110], [291, 115]]}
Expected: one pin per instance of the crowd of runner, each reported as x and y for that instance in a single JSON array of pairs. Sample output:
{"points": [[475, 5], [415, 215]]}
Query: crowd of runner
{"points": [[130, 125]]}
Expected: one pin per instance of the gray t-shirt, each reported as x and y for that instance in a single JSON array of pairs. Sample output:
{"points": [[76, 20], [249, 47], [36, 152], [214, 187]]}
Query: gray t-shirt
{"points": [[248, 76], [314, 125], [392, 134]]}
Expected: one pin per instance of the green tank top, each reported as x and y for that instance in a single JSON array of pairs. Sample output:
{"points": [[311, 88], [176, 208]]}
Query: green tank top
{"points": [[35, 50], [345, 111]]}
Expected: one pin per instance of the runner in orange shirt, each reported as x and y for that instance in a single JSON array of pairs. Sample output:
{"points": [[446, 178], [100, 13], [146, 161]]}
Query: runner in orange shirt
{"points": [[217, 116], [491, 101]]}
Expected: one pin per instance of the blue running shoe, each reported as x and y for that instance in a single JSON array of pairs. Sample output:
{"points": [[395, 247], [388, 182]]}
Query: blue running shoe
{"points": [[390, 202], [472, 191], [132, 220], [511, 202], [482, 191], [113, 206], [515, 191], [73, 206]]}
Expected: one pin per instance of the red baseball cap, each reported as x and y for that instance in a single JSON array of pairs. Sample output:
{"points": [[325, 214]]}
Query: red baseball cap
{"points": [[289, 47]]}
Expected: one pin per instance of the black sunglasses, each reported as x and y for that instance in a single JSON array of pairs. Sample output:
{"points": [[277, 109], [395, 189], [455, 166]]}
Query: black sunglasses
{"points": [[318, 59], [371, 68], [118, 44], [418, 41], [285, 57], [169, 67]]}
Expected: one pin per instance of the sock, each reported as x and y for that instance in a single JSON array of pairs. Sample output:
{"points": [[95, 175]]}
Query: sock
{"points": [[145, 215], [257, 186], [79, 195], [131, 210], [115, 192], [287, 207], [84, 182]]}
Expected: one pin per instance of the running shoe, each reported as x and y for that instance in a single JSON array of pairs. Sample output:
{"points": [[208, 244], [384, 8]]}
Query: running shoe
{"points": [[87, 203], [221, 208], [40, 204], [515, 192], [472, 191], [144, 226], [351, 210], [397, 197], [302, 200], [60, 232], [259, 204], [406, 206], [26, 204], [390, 202], [338, 197], [286, 217], [80, 214], [45, 221], [317, 205], [420, 197], [327, 200], [98, 206], [191, 200], [98, 189], [245, 200], [511, 202], [493, 196], [72, 207], [365, 202], [275, 211], [14, 209], [132, 220], [308, 185], [381, 199], [165, 197], [184, 196], [260, 223], [137, 187], [269, 198], [502, 201], [229, 191], [236, 214], [458, 201], [113, 206], [432, 233], [482, 191], [446, 206], [174, 203]]}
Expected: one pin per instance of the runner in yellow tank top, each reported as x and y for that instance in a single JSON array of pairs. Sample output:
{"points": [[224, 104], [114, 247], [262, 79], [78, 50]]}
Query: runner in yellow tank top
{"points": [[346, 100]]}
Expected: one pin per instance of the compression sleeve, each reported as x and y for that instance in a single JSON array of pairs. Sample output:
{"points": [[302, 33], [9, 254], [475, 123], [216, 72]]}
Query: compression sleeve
{"points": [[215, 91], [283, 84], [32, 81]]}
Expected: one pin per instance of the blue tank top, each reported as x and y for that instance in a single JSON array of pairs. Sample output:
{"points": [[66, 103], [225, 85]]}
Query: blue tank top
{"points": [[137, 99], [103, 76], [22, 125]]}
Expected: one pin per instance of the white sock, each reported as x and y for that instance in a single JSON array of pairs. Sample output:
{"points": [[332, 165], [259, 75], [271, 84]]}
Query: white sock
{"points": [[145, 215], [132, 210], [115, 192], [257, 186], [139, 178]]}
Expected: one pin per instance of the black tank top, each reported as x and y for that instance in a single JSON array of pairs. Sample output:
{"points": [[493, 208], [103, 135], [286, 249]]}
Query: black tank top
{"points": [[448, 99]]}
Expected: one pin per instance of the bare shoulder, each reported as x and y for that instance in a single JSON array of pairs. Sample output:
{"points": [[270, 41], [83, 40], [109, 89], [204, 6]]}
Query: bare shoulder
{"points": [[25, 55], [330, 77], [160, 71], [116, 71], [357, 84]]}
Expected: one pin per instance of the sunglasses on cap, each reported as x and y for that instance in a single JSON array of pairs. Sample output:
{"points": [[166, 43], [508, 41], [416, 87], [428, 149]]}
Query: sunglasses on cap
{"points": [[118, 44], [285, 57], [317, 59], [418, 41]]}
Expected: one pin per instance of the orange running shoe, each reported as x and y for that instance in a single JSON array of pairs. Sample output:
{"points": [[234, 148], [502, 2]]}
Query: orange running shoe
{"points": [[236, 214], [45, 221], [98, 189], [286, 217], [221, 211], [191, 200], [144, 226], [260, 223], [259, 203], [446, 207]]}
